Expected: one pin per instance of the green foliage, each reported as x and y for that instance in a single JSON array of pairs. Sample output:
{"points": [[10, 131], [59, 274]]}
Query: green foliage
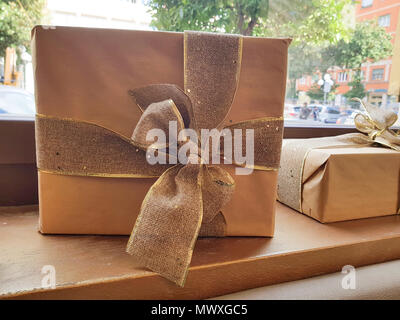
{"points": [[235, 16], [316, 93], [312, 21], [368, 41], [357, 90], [307, 21], [17, 18]]}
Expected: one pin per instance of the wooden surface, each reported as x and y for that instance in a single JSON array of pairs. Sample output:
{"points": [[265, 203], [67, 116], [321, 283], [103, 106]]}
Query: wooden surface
{"points": [[323, 130], [97, 266]]}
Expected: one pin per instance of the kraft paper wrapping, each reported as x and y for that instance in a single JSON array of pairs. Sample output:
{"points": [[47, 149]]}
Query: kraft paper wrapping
{"points": [[346, 183], [85, 74]]}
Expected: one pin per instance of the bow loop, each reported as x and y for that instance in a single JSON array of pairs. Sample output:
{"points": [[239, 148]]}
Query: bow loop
{"points": [[364, 123], [145, 96], [157, 116]]}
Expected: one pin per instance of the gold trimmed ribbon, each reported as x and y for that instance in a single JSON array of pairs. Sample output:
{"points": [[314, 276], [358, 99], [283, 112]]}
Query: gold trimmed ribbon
{"points": [[375, 128], [186, 200]]}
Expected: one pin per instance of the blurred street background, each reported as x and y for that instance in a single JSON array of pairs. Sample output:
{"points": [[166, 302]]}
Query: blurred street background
{"points": [[341, 49]]}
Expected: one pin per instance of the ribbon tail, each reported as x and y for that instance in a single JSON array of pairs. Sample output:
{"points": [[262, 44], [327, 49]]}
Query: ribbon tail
{"points": [[169, 222], [388, 139], [217, 189]]}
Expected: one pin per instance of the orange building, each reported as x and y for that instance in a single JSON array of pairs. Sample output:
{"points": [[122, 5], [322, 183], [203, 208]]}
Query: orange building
{"points": [[375, 75]]}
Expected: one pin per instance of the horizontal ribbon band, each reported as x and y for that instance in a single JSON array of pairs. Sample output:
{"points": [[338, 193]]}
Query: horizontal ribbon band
{"points": [[72, 147], [80, 148]]}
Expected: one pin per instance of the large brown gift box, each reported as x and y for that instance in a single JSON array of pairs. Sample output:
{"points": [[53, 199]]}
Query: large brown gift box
{"points": [[340, 182], [85, 75]]}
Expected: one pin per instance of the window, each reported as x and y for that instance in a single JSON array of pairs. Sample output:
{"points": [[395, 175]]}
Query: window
{"points": [[342, 77], [384, 21], [377, 74], [366, 3]]}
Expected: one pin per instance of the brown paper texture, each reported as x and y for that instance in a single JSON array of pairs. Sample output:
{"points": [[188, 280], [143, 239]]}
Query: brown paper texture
{"points": [[85, 74], [351, 183]]}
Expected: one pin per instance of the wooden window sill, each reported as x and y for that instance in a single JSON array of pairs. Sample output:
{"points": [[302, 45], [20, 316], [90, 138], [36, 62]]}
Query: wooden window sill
{"points": [[97, 267]]}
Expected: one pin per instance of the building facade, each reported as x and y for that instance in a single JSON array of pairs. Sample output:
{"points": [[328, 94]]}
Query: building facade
{"points": [[119, 14]]}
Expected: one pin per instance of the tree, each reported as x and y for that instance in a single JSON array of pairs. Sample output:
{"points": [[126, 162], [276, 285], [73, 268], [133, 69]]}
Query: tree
{"points": [[305, 60], [357, 90], [304, 20], [307, 21], [17, 18], [368, 42], [316, 93], [237, 16]]}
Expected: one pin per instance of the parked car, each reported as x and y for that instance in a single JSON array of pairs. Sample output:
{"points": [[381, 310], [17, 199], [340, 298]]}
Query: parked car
{"points": [[346, 117], [329, 114], [16, 101], [349, 121], [291, 112]]}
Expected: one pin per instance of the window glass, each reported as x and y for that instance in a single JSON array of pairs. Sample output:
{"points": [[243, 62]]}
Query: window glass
{"points": [[342, 77], [367, 3], [341, 49], [377, 74], [384, 21]]}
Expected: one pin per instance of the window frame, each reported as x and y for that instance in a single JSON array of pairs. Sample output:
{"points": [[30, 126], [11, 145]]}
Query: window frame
{"points": [[343, 77], [380, 18], [366, 5], [375, 70]]}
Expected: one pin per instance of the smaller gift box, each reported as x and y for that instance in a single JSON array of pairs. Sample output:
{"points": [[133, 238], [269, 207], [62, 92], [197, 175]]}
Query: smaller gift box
{"points": [[347, 177]]}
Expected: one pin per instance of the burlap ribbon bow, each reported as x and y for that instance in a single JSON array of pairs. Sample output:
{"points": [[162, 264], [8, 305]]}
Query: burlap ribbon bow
{"points": [[376, 124], [187, 198]]}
